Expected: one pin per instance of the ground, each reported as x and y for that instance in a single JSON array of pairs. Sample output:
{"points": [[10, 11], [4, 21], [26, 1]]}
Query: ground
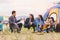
{"points": [[27, 35]]}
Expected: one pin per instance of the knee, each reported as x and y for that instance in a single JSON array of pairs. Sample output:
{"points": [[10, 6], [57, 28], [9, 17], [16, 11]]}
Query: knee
{"points": [[20, 24]]}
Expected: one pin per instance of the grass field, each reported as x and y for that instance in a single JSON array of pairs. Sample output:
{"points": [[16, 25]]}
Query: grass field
{"points": [[28, 35]]}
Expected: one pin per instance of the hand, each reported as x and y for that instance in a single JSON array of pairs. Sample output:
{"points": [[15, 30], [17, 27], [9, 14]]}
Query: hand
{"points": [[15, 23], [30, 23], [38, 23], [21, 19]]}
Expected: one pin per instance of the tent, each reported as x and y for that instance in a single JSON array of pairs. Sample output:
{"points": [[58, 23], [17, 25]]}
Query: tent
{"points": [[56, 9]]}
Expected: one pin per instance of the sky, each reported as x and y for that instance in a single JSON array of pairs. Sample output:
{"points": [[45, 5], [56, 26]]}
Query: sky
{"points": [[25, 7]]}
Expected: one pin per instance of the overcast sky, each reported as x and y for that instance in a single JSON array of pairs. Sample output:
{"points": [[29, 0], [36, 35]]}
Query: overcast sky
{"points": [[24, 7]]}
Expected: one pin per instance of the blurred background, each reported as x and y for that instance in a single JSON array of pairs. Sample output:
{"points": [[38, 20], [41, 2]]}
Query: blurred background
{"points": [[25, 7]]}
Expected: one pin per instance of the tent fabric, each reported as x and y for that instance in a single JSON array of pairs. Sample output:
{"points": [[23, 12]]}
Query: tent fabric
{"points": [[47, 12]]}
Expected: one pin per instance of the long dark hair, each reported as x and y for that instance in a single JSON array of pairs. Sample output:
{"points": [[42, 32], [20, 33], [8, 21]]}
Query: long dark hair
{"points": [[32, 19], [41, 17], [52, 19]]}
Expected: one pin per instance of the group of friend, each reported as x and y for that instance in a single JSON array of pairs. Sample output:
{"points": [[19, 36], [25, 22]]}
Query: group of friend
{"points": [[36, 23]]}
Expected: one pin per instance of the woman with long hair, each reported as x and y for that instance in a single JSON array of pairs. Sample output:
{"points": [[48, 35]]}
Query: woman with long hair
{"points": [[52, 23], [39, 23], [51, 26], [29, 22]]}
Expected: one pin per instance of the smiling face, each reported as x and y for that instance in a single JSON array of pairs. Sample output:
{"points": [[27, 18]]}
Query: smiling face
{"points": [[30, 16], [39, 16], [14, 14]]}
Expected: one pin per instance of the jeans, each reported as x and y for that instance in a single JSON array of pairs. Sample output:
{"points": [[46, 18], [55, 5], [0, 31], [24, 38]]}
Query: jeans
{"points": [[38, 28], [50, 29]]}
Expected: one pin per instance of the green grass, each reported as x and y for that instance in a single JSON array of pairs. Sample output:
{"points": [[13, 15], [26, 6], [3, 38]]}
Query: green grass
{"points": [[28, 35]]}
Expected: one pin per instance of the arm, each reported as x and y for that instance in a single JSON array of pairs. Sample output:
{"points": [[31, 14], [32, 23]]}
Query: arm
{"points": [[18, 21], [27, 21], [36, 22]]}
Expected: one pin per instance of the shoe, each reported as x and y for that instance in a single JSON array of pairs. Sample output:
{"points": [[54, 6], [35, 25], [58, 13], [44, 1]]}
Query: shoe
{"points": [[18, 32], [36, 31]]}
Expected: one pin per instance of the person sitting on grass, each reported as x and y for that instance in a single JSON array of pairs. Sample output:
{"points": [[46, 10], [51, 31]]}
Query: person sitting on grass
{"points": [[39, 23], [13, 22], [29, 22], [51, 25]]}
